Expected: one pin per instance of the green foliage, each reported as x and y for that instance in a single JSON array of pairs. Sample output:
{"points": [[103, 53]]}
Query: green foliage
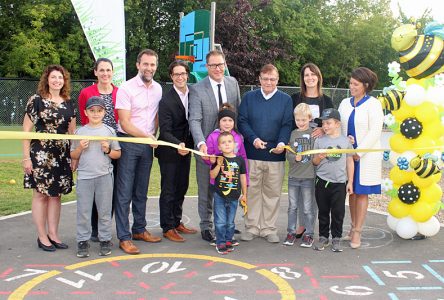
{"points": [[336, 35]]}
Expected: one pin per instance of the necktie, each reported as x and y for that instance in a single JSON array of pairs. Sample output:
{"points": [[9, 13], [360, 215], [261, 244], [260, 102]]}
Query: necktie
{"points": [[220, 95]]}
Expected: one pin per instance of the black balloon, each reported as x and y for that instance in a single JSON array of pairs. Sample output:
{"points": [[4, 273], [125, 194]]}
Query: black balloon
{"points": [[411, 128], [408, 193]]}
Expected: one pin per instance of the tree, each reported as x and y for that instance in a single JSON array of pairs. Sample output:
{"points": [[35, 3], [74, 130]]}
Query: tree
{"points": [[245, 49]]}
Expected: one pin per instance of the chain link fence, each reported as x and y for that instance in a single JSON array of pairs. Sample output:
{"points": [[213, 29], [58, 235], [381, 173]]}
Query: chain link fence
{"points": [[14, 94]]}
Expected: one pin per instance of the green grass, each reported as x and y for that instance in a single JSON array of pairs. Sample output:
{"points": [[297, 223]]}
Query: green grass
{"points": [[14, 198], [10, 148]]}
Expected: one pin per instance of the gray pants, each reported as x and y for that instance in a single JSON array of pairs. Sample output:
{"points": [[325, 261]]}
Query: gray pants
{"points": [[100, 190], [204, 195]]}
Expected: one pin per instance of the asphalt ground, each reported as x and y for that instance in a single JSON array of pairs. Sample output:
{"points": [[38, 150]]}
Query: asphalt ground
{"points": [[385, 267]]}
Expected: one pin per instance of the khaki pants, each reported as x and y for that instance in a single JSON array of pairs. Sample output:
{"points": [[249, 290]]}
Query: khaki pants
{"points": [[263, 196]]}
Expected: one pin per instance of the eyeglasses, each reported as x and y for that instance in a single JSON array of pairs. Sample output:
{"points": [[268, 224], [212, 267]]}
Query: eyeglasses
{"points": [[221, 66], [268, 79], [175, 75]]}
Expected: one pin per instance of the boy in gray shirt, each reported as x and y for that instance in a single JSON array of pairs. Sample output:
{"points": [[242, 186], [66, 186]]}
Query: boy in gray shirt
{"points": [[301, 179], [332, 171], [94, 177]]}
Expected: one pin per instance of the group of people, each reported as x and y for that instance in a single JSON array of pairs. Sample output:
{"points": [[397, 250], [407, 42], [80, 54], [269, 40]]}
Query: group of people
{"points": [[244, 145]]}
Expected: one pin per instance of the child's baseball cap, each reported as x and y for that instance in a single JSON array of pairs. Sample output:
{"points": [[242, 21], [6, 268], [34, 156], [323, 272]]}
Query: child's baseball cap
{"points": [[330, 113], [95, 101]]}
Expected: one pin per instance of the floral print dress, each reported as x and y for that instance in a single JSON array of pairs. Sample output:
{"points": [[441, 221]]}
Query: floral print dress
{"points": [[51, 174]]}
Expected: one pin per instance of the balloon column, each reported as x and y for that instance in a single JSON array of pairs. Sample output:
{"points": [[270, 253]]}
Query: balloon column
{"points": [[417, 122]]}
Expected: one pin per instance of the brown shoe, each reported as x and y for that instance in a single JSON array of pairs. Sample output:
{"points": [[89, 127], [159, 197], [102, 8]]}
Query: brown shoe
{"points": [[173, 236], [147, 237], [182, 229], [128, 247]]}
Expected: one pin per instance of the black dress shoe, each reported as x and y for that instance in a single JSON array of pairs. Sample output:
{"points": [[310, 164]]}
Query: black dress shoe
{"points": [[207, 235], [44, 247], [58, 245], [237, 231]]}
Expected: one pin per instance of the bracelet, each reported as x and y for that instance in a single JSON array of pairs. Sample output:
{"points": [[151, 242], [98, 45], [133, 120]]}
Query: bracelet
{"points": [[108, 152], [25, 159]]}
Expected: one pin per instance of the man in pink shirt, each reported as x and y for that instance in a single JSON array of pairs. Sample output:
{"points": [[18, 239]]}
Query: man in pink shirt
{"points": [[137, 104]]}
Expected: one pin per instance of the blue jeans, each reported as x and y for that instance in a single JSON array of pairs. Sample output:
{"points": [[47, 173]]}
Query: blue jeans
{"points": [[224, 213], [301, 197], [133, 175]]}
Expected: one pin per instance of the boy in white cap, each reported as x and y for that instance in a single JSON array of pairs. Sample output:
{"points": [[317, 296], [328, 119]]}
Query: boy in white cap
{"points": [[94, 177]]}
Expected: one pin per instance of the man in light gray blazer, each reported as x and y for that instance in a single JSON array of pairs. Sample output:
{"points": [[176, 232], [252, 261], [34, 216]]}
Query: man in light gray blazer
{"points": [[205, 99]]}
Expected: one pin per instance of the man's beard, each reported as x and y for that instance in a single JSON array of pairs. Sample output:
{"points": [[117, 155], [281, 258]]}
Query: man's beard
{"points": [[144, 79]]}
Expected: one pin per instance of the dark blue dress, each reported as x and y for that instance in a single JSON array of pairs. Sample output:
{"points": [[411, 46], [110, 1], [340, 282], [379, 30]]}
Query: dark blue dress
{"points": [[358, 188]]}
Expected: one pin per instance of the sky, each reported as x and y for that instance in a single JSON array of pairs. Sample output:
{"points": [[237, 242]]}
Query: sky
{"points": [[415, 8]]}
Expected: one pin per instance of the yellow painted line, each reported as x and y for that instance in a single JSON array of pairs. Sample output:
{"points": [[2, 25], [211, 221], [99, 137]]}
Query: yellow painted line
{"points": [[161, 255], [284, 288], [24, 289]]}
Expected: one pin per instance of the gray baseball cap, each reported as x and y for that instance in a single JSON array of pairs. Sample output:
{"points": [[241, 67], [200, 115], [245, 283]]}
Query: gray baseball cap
{"points": [[330, 113], [95, 101]]}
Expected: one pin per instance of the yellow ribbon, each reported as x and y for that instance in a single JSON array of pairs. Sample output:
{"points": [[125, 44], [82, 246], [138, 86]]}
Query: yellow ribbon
{"points": [[21, 135], [329, 151]]}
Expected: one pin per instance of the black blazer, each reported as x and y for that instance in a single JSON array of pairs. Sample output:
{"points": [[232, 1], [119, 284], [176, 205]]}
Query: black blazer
{"points": [[173, 126]]}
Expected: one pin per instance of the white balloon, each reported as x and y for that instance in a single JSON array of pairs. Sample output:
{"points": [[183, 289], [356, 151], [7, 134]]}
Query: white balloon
{"points": [[406, 228], [435, 95], [392, 222], [430, 227], [393, 158], [415, 95]]}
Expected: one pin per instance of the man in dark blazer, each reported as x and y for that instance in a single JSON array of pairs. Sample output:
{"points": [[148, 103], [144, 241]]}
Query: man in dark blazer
{"points": [[174, 164], [206, 97]]}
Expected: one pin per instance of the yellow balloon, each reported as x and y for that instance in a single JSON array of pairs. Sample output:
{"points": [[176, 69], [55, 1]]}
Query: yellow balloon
{"points": [[400, 177], [427, 112], [400, 144], [433, 129], [404, 112], [421, 211], [431, 194], [412, 81], [398, 209], [423, 142], [425, 182]]}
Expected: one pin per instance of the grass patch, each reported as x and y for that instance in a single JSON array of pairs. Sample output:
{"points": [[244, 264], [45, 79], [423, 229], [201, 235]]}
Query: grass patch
{"points": [[10, 148]]}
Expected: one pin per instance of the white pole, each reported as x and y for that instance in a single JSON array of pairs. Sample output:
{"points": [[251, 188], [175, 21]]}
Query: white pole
{"points": [[212, 24]]}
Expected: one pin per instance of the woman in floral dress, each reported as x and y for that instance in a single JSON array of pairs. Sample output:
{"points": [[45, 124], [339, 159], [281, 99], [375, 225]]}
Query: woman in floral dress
{"points": [[47, 163]]}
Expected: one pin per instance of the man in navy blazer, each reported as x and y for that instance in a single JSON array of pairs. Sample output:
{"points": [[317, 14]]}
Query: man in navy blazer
{"points": [[174, 163], [206, 97]]}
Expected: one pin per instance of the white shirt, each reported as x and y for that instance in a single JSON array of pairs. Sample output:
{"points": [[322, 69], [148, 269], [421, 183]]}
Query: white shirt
{"points": [[267, 97], [216, 91], [184, 98]]}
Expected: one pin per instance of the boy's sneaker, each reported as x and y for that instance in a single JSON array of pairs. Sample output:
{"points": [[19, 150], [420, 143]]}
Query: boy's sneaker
{"points": [[336, 245], [321, 244], [289, 240], [307, 241], [83, 249], [105, 248], [221, 249], [213, 242], [229, 247], [234, 242]]}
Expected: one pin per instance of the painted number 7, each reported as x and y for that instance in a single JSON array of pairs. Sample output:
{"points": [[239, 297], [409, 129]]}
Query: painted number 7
{"points": [[403, 274]]}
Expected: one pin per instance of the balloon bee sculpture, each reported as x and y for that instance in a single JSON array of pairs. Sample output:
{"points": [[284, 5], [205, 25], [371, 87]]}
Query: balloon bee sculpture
{"points": [[392, 100], [424, 167], [421, 56]]}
